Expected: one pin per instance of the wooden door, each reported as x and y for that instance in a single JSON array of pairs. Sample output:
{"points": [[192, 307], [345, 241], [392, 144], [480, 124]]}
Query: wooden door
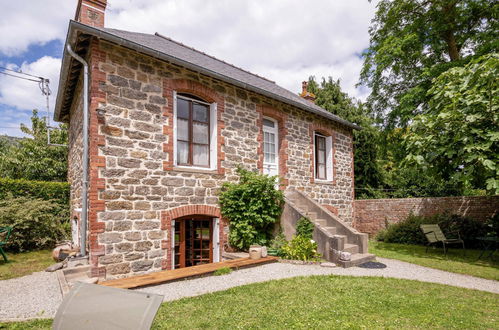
{"points": [[193, 241]]}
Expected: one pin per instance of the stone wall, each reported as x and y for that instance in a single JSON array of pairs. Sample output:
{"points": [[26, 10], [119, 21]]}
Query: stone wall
{"points": [[371, 215], [135, 190]]}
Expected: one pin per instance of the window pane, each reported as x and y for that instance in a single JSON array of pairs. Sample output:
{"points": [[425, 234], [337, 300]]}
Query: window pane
{"points": [[200, 155], [200, 133], [182, 152], [182, 129], [321, 159], [322, 171], [200, 112], [321, 143], [268, 123], [182, 108]]}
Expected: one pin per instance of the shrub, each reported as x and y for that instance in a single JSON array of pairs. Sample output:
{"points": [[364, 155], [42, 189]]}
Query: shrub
{"points": [[408, 231], [301, 248], [304, 227], [58, 191], [276, 245], [252, 206], [37, 223]]}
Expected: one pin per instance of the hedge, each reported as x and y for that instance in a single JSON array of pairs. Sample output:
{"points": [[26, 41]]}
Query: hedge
{"points": [[58, 191]]}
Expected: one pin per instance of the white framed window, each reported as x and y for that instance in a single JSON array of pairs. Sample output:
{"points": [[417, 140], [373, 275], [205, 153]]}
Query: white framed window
{"points": [[270, 146], [323, 157], [195, 132]]}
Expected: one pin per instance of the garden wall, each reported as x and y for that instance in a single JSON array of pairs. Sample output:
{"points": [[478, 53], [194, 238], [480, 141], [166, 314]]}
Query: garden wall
{"points": [[370, 215]]}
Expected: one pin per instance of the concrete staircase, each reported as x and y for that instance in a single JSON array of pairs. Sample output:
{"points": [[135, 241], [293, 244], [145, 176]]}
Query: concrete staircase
{"points": [[332, 235]]}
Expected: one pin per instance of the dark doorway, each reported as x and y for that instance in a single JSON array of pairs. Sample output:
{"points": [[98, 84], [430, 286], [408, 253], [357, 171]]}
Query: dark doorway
{"points": [[193, 241]]}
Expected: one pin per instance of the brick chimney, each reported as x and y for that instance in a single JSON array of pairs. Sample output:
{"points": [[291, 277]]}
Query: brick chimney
{"points": [[305, 93], [91, 12]]}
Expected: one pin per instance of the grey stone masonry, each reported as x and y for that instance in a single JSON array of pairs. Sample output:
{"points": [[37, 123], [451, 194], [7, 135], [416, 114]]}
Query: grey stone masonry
{"points": [[137, 185]]}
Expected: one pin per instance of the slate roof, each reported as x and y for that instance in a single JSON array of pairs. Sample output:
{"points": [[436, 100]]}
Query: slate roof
{"points": [[162, 47]]}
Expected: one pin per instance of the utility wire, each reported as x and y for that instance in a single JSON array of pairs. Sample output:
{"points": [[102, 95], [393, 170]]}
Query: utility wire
{"points": [[20, 72], [8, 74]]}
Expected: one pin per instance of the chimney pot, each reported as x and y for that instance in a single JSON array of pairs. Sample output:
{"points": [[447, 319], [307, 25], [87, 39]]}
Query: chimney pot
{"points": [[91, 12], [305, 93]]}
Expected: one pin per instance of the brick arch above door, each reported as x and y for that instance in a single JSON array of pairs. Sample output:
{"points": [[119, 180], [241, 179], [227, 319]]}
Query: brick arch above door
{"points": [[182, 211]]}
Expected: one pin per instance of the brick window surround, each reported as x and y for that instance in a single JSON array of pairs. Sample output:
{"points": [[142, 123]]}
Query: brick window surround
{"points": [[169, 215], [281, 118], [322, 129], [202, 91]]}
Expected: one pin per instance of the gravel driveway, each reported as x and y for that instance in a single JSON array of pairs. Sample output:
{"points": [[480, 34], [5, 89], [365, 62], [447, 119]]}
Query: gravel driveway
{"points": [[274, 271], [38, 295]]}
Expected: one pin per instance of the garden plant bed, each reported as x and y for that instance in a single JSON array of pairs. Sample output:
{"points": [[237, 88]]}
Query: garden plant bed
{"points": [[305, 302]]}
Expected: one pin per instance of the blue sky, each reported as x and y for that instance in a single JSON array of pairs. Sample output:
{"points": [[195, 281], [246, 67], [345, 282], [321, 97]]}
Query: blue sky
{"points": [[285, 41]]}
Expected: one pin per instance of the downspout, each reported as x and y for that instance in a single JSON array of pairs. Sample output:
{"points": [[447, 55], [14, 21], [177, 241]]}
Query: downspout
{"points": [[84, 188]]}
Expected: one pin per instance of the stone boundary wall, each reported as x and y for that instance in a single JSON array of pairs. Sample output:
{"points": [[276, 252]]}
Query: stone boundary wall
{"points": [[371, 215]]}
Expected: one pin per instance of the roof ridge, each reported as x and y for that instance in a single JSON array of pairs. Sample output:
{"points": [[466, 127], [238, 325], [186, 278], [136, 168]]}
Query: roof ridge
{"points": [[211, 56]]}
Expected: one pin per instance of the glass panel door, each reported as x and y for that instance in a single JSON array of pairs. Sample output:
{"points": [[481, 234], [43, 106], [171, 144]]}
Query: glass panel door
{"points": [[194, 237], [270, 149]]}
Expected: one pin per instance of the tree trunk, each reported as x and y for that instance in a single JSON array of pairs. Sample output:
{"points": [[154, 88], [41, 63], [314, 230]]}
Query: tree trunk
{"points": [[449, 13]]}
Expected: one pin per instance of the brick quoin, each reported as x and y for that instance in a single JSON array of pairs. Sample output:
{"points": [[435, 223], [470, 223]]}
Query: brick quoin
{"points": [[97, 162], [202, 91], [281, 117], [187, 210]]}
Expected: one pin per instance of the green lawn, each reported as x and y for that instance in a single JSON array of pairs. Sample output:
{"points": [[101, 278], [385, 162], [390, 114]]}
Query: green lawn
{"points": [[328, 302], [21, 264], [455, 261]]}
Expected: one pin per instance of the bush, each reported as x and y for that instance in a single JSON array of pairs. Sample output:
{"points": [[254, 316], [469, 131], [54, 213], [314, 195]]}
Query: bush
{"points": [[252, 207], [277, 244], [58, 191], [408, 231], [304, 227], [37, 223], [301, 248]]}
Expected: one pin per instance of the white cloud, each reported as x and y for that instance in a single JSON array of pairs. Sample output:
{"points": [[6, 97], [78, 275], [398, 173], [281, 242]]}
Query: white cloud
{"points": [[24, 96], [286, 41], [33, 22]]}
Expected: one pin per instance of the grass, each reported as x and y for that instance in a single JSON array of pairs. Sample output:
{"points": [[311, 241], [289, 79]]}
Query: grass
{"points": [[455, 261], [25, 263], [222, 271], [327, 302]]}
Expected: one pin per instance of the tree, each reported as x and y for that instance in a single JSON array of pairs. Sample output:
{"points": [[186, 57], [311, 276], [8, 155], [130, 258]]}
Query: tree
{"points": [[32, 158], [458, 136], [414, 41], [330, 97]]}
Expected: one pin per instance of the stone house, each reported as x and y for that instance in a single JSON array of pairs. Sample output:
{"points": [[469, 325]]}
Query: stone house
{"points": [[167, 127]]}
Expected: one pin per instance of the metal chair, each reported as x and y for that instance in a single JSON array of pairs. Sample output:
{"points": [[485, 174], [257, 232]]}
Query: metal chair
{"points": [[434, 235]]}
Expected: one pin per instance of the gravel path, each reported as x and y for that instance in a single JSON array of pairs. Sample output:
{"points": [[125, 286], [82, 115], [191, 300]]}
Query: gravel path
{"points": [[33, 296], [38, 295], [274, 271]]}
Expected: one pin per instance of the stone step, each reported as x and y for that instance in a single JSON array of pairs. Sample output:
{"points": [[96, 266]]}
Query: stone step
{"points": [[311, 215], [321, 222], [356, 260], [331, 230], [352, 248]]}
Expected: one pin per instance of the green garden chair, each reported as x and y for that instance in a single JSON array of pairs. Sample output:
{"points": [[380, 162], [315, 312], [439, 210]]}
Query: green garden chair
{"points": [[5, 232], [434, 235]]}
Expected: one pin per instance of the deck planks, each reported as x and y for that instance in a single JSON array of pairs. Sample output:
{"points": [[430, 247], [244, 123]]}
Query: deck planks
{"points": [[183, 273]]}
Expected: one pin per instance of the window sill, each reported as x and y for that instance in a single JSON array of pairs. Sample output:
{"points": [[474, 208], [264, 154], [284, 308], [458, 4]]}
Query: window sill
{"points": [[319, 181], [194, 170]]}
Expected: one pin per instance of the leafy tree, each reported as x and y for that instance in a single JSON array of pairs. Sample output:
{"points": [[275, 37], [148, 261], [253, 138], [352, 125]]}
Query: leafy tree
{"points": [[414, 41], [330, 97], [458, 135], [32, 158]]}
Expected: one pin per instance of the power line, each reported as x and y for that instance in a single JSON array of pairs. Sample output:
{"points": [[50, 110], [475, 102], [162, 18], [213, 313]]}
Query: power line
{"points": [[20, 72], [8, 74]]}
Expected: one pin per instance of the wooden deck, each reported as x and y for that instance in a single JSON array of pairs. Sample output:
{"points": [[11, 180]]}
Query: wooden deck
{"points": [[183, 273]]}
